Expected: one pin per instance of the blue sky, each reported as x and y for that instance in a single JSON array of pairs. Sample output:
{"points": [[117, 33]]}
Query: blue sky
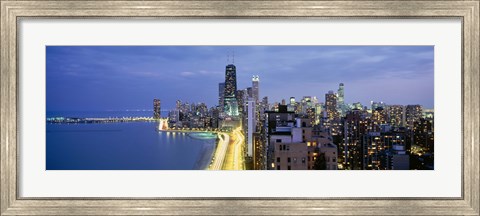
{"points": [[95, 78]]}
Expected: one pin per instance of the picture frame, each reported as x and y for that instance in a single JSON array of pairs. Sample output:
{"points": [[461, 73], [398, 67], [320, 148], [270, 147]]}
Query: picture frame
{"points": [[13, 11]]}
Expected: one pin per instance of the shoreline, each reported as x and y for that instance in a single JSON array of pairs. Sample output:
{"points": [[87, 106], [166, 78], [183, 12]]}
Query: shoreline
{"points": [[207, 152]]}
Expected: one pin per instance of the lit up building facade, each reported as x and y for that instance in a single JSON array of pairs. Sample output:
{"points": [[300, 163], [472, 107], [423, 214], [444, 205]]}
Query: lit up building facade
{"points": [[221, 93], [379, 117], [396, 115], [255, 89], [374, 105], [351, 148], [292, 101], [303, 147], [413, 113], [357, 105], [259, 151], [242, 98], [331, 106], [423, 135], [372, 149], [318, 113], [156, 108], [251, 126], [341, 99], [230, 103]]}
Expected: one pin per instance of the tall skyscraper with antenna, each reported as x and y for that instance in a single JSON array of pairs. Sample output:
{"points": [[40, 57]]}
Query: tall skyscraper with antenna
{"points": [[230, 101]]}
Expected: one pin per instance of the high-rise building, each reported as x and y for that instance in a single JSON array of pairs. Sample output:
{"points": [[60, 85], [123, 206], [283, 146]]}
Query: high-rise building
{"points": [[375, 105], [292, 100], [242, 98], [278, 125], [331, 105], [156, 108], [178, 104], [423, 135], [302, 147], [413, 113], [318, 113], [396, 115], [379, 116], [372, 149], [311, 115], [341, 99], [214, 120], [221, 93], [291, 105], [251, 126], [173, 117], [265, 103], [357, 105], [259, 152], [250, 92], [400, 160], [350, 150], [255, 88], [341, 93], [230, 100]]}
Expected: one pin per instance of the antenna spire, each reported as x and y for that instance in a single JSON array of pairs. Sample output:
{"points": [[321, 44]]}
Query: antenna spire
{"points": [[233, 54]]}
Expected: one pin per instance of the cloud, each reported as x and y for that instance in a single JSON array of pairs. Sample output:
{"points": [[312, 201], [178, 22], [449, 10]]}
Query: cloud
{"points": [[146, 74], [422, 55], [371, 59], [187, 74], [206, 72], [202, 73]]}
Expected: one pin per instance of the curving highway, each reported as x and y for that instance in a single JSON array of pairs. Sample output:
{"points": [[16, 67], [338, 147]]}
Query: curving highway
{"points": [[238, 162], [220, 152]]}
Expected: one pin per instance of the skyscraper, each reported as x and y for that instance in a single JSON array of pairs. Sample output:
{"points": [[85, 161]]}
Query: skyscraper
{"points": [[350, 149], [250, 92], [341, 99], [331, 105], [379, 117], [413, 113], [251, 124], [255, 88], [221, 92], [395, 115], [156, 108], [242, 98], [375, 105], [230, 101]]}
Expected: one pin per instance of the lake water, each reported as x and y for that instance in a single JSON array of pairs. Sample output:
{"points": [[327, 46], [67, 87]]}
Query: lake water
{"points": [[124, 146]]}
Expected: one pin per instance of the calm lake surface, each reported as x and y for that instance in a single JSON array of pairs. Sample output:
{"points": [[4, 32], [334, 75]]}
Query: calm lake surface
{"points": [[124, 146]]}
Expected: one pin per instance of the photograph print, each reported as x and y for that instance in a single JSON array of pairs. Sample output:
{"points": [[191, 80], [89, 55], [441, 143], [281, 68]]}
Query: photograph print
{"points": [[240, 108]]}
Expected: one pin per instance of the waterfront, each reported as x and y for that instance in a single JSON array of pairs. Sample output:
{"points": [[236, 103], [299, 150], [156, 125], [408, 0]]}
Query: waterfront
{"points": [[125, 146]]}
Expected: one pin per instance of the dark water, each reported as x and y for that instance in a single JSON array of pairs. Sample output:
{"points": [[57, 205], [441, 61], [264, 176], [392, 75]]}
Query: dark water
{"points": [[123, 146]]}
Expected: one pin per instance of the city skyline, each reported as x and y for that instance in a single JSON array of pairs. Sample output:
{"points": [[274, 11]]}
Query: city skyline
{"points": [[119, 78]]}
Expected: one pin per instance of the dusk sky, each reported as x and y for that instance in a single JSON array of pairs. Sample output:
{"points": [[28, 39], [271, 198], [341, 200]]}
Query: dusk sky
{"points": [[97, 78]]}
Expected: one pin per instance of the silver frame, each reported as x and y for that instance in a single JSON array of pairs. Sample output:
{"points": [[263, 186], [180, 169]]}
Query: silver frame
{"points": [[11, 11]]}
